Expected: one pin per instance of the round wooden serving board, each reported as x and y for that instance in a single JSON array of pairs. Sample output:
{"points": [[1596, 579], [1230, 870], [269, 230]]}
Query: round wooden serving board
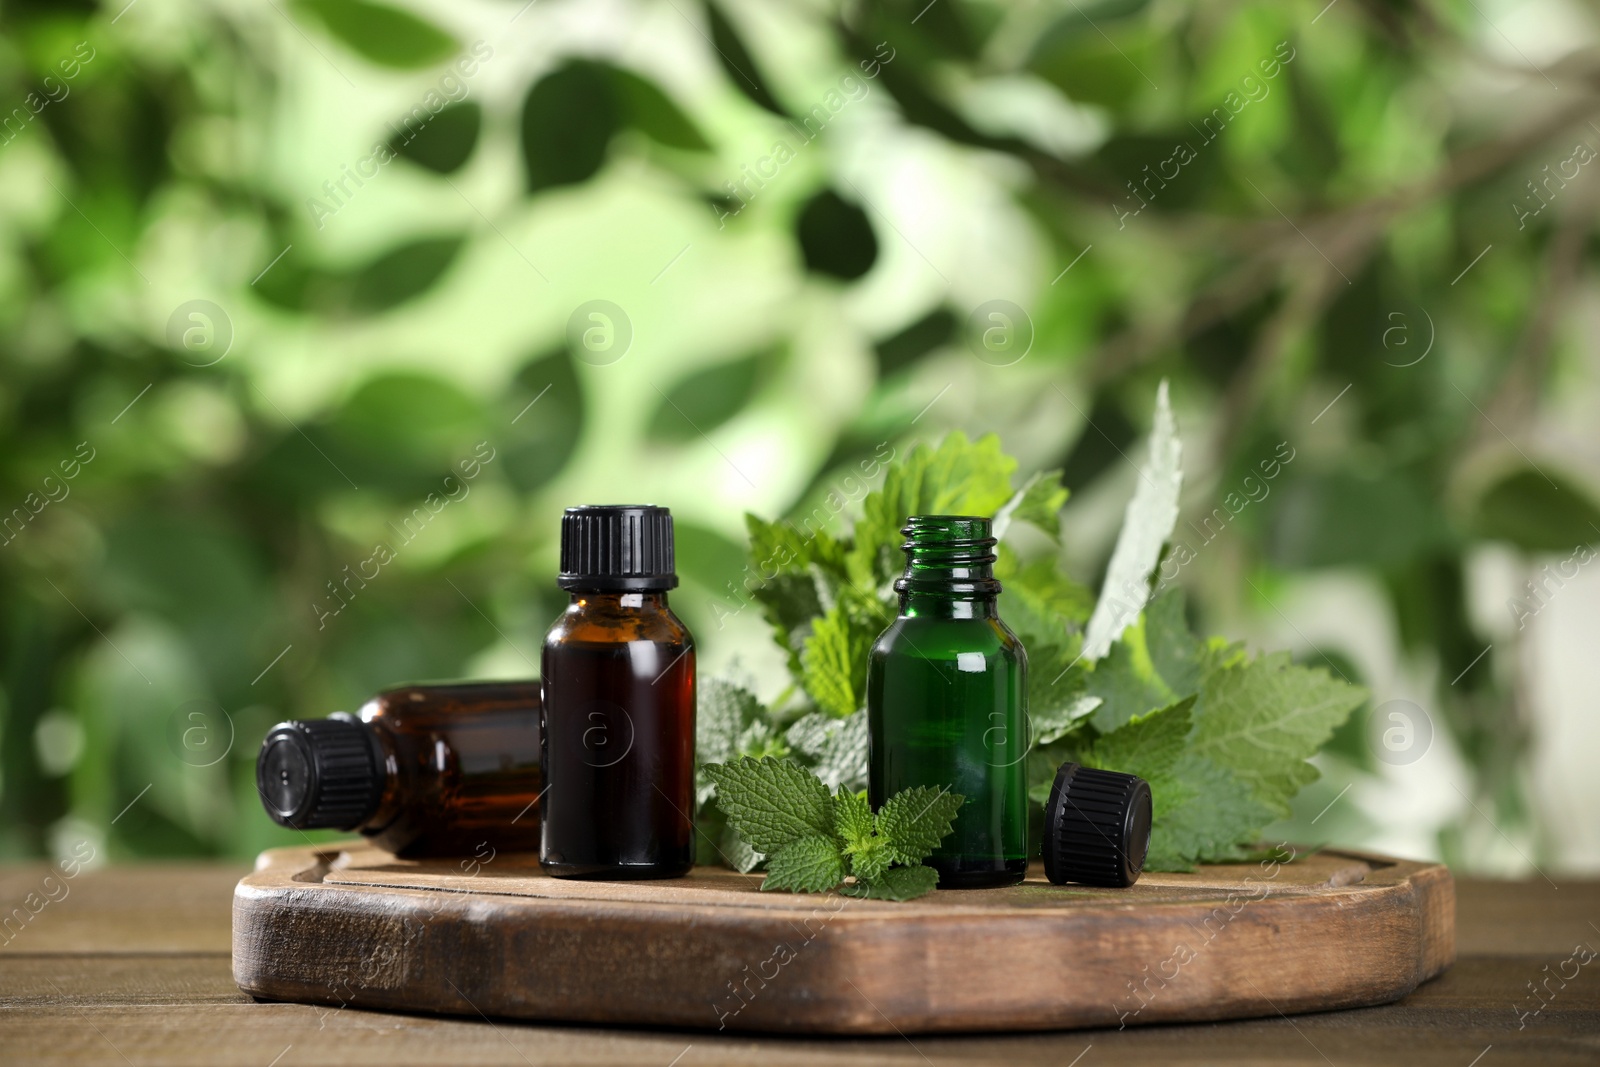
{"points": [[357, 927]]}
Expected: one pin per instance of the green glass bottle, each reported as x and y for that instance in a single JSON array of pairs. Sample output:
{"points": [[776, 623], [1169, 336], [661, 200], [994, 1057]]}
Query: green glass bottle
{"points": [[946, 701]]}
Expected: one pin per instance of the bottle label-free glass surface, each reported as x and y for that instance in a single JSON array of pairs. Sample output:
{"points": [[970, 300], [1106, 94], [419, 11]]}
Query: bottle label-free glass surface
{"points": [[947, 710]]}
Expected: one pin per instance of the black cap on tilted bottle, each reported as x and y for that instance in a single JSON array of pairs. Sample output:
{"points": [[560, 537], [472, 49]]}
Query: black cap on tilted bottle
{"points": [[1096, 827], [617, 548], [320, 773]]}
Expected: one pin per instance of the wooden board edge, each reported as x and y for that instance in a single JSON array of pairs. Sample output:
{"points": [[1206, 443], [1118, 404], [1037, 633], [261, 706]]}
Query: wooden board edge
{"points": [[1413, 901], [1280, 955], [1436, 901]]}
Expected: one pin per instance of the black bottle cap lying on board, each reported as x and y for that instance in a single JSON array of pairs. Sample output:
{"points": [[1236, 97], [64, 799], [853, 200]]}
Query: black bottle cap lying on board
{"points": [[1096, 827]]}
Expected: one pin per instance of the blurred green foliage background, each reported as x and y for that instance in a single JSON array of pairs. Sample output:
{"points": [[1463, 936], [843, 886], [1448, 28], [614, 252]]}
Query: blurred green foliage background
{"points": [[283, 282]]}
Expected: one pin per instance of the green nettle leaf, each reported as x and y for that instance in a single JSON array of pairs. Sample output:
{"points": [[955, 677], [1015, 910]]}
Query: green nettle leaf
{"points": [[760, 741], [960, 477], [1059, 723], [801, 570], [784, 548], [813, 840], [837, 748], [388, 36], [1222, 763], [1057, 702], [805, 865], [718, 842], [1176, 655], [852, 817], [915, 820], [789, 602], [1148, 745], [1037, 601], [1127, 683], [1038, 502], [870, 859], [834, 662], [1148, 522], [737, 851], [772, 802], [897, 883], [1042, 764], [1202, 813], [1264, 719], [724, 713]]}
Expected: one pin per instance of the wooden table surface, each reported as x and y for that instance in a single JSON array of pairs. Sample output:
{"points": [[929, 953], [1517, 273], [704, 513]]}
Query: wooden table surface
{"points": [[130, 967]]}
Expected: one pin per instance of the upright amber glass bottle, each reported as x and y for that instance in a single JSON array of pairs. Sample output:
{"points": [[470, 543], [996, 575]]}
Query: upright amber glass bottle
{"points": [[426, 770], [618, 727], [946, 685]]}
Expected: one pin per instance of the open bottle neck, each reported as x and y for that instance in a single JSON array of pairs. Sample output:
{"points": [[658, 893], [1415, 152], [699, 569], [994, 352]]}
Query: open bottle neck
{"points": [[949, 568]]}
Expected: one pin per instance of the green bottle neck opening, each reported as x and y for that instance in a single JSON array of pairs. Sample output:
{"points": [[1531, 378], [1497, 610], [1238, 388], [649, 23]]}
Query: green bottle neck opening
{"points": [[949, 562]]}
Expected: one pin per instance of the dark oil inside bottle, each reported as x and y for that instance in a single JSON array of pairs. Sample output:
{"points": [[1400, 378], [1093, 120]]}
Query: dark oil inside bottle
{"points": [[464, 768], [619, 737]]}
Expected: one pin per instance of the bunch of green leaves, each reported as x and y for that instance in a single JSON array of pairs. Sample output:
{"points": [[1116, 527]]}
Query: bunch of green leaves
{"points": [[1222, 738], [1117, 681], [828, 598], [814, 840]]}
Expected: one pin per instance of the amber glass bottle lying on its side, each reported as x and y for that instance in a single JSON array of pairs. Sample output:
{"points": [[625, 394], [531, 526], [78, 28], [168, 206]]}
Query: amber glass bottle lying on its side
{"points": [[425, 770]]}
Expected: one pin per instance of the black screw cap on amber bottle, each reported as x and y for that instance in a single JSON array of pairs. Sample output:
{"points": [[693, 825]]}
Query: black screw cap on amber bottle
{"points": [[617, 548], [320, 774], [1096, 827]]}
